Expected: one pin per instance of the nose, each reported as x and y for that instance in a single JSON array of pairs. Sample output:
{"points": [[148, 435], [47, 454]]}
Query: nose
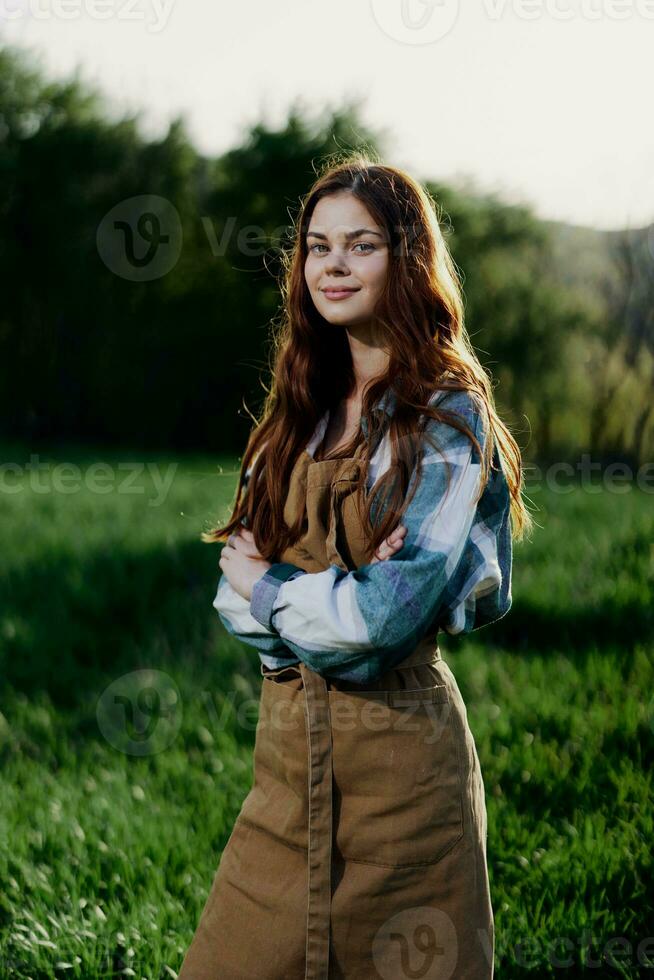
{"points": [[336, 264]]}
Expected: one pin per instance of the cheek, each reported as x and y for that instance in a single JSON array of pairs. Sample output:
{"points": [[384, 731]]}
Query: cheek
{"points": [[375, 274], [311, 273]]}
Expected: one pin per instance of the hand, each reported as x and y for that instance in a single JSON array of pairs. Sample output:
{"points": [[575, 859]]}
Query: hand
{"points": [[241, 562], [388, 547], [391, 545]]}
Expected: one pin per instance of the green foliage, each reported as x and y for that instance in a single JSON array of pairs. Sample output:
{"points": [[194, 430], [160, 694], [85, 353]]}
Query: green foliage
{"points": [[106, 857], [88, 354]]}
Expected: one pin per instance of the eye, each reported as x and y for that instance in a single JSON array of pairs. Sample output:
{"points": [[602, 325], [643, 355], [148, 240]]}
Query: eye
{"points": [[367, 246]]}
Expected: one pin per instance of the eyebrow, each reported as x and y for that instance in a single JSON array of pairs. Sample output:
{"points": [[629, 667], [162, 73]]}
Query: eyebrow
{"points": [[349, 235]]}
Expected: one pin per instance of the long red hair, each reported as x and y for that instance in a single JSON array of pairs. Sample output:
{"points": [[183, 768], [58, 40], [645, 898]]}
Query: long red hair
{"points": [[421, 319]]}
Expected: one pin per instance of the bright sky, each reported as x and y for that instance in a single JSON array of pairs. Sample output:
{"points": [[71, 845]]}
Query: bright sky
{"points": [[545, 101]]}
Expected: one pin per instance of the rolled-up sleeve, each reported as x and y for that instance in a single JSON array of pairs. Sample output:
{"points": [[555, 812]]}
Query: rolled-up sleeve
{"points": [[235, 615]]}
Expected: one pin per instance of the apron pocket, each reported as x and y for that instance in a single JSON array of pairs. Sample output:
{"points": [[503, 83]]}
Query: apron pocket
{"points": [[397, 775]]}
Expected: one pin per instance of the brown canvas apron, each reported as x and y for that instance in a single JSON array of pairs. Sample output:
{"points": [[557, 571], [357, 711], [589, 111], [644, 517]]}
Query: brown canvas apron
{"points": [[360, 850]]}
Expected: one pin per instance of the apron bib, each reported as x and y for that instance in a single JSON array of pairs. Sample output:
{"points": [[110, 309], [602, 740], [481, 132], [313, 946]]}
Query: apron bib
{"points": [[360, 850]]}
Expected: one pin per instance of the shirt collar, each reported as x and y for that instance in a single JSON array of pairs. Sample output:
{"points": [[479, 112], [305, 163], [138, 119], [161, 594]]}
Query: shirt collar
{"points": [[386, 403], [388, 400]]}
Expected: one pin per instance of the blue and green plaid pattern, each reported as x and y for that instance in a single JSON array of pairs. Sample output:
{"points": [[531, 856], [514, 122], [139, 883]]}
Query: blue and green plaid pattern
{"points": [[453, 571]]}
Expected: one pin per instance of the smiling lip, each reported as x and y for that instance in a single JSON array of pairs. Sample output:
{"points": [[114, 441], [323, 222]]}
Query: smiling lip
{"points": [[339, 292]]}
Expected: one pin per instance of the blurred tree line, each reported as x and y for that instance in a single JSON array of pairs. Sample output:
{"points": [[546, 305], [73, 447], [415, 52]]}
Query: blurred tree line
{"points": [[562, 317]]}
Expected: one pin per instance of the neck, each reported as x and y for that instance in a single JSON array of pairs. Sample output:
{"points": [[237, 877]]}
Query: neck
{"points": [[369, 362]]}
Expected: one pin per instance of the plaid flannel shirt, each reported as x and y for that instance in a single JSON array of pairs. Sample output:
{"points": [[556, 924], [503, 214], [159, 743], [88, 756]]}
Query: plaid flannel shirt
{"points": [[453, 570]]}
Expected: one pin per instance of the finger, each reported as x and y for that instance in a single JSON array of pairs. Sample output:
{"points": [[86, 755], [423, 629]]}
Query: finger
{"points": [[243, 543], [250, 549], [390, 545], [395, 541], [248, 539], [379, 554]]}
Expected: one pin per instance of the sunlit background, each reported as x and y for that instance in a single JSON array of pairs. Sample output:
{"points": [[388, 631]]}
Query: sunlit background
{"points": [[547, 101]]}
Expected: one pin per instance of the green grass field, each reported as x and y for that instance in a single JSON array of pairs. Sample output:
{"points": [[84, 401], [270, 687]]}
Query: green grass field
{"points": [[108, 847]]}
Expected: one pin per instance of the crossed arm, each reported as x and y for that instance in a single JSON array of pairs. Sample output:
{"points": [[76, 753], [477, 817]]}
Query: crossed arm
{"points": [[358, 624]]}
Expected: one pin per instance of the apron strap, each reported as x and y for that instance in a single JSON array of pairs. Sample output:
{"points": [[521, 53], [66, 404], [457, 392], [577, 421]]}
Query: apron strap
{"points": [[319, 738], [320, 831]]}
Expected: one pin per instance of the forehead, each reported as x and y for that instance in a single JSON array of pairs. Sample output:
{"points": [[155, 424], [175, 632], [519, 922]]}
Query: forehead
{"points": [[338, 214]]}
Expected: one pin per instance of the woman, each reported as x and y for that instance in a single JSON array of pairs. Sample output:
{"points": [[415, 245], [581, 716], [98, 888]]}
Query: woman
{"points": [[377, 502]]}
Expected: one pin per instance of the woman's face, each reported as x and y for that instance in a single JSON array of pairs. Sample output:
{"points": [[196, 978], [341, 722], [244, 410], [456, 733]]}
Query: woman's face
{"points": [[347, 260]]}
